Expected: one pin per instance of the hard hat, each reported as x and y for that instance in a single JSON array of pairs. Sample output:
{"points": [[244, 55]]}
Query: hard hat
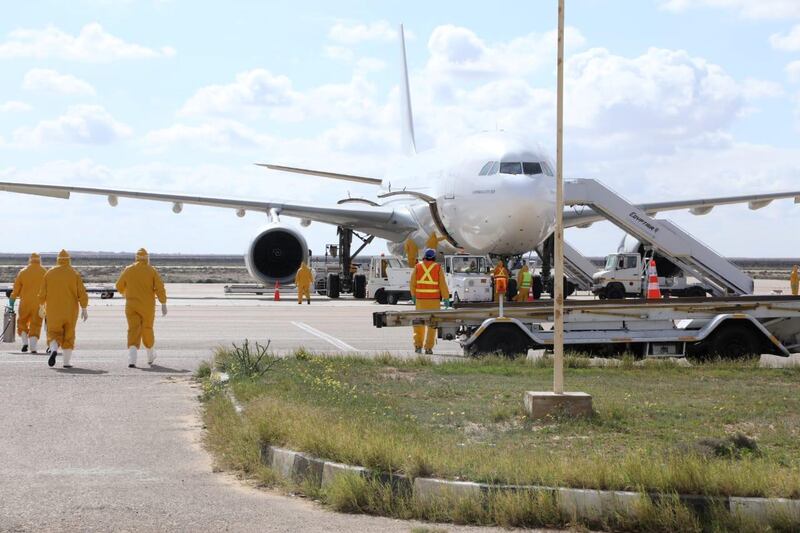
{"points": [[430, 254]]}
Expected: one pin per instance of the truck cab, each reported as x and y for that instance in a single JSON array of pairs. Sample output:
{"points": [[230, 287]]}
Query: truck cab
{"points": [[388, 280], [468, 278], [624, 275]]}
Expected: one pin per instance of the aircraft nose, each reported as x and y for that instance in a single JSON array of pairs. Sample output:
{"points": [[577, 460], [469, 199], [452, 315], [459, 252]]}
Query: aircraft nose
{"points": [[525, 211]]}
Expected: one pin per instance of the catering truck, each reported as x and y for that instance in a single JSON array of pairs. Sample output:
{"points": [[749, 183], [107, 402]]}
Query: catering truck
{"points": [[625, 275]]}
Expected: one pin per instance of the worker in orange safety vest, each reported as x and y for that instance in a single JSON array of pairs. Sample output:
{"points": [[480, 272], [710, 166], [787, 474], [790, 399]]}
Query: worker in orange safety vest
{"points": [[500, 277], [428, 288]]}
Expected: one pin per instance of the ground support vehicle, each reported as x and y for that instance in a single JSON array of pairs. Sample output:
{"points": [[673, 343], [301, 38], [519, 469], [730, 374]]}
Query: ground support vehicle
{"points": [[334, 279], [727, 326], [468, 278], [625, 275], [388, 280], [247, 288]]}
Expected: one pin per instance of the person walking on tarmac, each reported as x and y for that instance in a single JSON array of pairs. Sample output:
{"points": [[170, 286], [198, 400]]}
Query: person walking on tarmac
{"points": [[433, 241], [61, 294], [141, 284], [794, 280], [524, 283], [27, 285], [428, 288], [412, 252], [303, 279], [500, 277]]}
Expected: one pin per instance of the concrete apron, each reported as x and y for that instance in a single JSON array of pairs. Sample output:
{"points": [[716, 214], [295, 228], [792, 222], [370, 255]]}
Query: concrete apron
{"points": [[585, 504]]}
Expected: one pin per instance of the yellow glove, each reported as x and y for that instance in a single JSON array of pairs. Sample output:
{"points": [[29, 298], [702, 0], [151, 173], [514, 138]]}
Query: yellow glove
{"points": [[41, 311]]}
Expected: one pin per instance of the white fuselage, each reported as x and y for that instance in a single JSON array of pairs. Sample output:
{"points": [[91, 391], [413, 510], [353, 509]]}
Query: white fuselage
{"points": [[484, 210]]}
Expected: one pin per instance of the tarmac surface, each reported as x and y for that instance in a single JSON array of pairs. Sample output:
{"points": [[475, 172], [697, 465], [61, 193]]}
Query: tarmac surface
{"points": [[103, 447]]}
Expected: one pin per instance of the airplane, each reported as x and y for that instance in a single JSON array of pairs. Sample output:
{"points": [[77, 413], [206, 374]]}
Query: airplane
{"points": [[489, 193]]}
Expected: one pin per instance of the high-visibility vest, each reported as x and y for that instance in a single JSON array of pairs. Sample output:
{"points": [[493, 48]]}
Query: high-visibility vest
{"points": [[527, 280], [427, 280]]}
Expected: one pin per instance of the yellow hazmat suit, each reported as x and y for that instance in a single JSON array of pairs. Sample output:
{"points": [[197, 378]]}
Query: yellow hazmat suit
{"points": [[412, 252], [428, 287], [26, 287], [794, 280], [141, 284], [433, 241], [61, 294], [303, 279]]}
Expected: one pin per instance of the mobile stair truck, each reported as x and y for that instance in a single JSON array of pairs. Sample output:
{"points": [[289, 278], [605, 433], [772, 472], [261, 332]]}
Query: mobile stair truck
{"points": [[731, 323]]}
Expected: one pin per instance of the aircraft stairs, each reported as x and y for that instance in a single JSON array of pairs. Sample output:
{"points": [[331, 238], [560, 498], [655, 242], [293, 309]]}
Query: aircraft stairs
{"points": [[578, 268], [689, 254]]}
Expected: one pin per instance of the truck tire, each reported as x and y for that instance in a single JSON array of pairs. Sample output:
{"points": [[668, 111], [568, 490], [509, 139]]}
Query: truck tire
{"points": [[512, 290], [380, 296], [360, 286], [695, 292], [615, 291], [537, 287], [391, 298], [502, 339], [736, 340], [333, 286]]}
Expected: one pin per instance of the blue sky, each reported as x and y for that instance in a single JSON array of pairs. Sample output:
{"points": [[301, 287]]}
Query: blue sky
{"points": [[666, 99]]}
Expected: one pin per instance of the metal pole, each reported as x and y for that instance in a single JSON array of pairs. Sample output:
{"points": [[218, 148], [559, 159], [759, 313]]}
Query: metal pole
{"points": [[558, 311]]}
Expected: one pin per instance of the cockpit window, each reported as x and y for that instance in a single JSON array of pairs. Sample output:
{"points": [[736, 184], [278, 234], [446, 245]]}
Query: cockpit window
{"points": [[547, 169], [486, 168], [510, 168], [494, 169], [531, 169]]}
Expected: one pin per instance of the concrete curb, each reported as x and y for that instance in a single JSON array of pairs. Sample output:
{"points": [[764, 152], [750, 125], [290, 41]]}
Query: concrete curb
{"points": [[586, 504]]}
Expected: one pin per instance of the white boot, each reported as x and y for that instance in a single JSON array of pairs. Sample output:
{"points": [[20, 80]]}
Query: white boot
{"points": [[24, 338], [53, 347], [132, 353], [51, 361], [151, 355], [67, 357], [33, 342]]}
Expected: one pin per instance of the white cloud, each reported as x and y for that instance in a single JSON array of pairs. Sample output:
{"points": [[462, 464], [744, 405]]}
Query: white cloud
{"points": [[92, 44], [219, 136], [339, 53], [753, 9], [793, 71], [14, 106], [48, 80], [253, 90], [753, 89], [458, 52], [789, 42], [81, 124], [354, 33]]}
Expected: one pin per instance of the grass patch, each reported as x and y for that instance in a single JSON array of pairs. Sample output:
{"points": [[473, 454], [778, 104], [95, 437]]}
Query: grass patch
{"points": [[464, 420]]}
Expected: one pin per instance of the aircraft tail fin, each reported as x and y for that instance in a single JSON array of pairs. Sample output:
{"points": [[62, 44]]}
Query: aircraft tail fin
{"points": [[406, 115]]}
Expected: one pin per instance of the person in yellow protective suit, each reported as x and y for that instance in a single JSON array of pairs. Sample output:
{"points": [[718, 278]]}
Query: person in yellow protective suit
{"points": [[412, 252], [524, 283], [794, 280], [27, 285], [500, 276], [428, 287], [141, 284], [433, 241], [61, 294], [303, 279]]}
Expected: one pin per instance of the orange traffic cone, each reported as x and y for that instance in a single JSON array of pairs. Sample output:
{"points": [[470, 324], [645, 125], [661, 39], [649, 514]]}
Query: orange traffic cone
{"points": [[653, 291], [277, 295]]}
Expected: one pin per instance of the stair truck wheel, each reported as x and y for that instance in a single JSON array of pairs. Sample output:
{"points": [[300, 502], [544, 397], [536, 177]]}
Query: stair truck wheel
{"points": [[503, 339], [333, 286]]}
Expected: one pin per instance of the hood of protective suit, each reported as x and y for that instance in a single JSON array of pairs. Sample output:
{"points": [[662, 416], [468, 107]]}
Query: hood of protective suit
{"points": [[63, 258], [142, 256], [525, 268], [35, 259]]}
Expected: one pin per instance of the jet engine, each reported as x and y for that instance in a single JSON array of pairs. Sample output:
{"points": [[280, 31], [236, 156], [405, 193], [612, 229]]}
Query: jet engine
{"points": [[276, 254]]}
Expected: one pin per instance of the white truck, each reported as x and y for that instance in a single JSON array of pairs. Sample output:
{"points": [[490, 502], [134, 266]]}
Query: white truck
{"points": [[388, 279], [468, 278], [625, 275]]}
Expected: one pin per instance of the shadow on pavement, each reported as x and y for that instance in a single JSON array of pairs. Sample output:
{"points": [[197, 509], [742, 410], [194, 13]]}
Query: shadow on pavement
{"points": [[85, 371], [164, 369]]}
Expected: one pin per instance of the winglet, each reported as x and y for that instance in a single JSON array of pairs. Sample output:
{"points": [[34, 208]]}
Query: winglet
{"points": [[407, 116]]}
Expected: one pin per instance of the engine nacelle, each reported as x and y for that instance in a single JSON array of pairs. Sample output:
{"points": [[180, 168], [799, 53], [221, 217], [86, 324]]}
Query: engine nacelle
{"points": [[276, 254]]}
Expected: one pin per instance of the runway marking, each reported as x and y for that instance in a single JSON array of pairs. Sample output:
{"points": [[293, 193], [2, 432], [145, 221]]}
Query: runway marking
{"points": [[324, 336]]}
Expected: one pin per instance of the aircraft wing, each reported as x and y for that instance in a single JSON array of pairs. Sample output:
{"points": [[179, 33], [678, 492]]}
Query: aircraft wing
{"points": [[581, 216], [385, 223]]}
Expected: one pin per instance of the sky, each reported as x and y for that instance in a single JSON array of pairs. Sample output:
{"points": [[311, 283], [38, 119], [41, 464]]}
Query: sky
{"points": [[665, 100]]}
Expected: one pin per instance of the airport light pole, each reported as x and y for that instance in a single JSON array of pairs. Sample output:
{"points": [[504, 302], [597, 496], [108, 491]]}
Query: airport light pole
{"points": [[558, 282]]}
